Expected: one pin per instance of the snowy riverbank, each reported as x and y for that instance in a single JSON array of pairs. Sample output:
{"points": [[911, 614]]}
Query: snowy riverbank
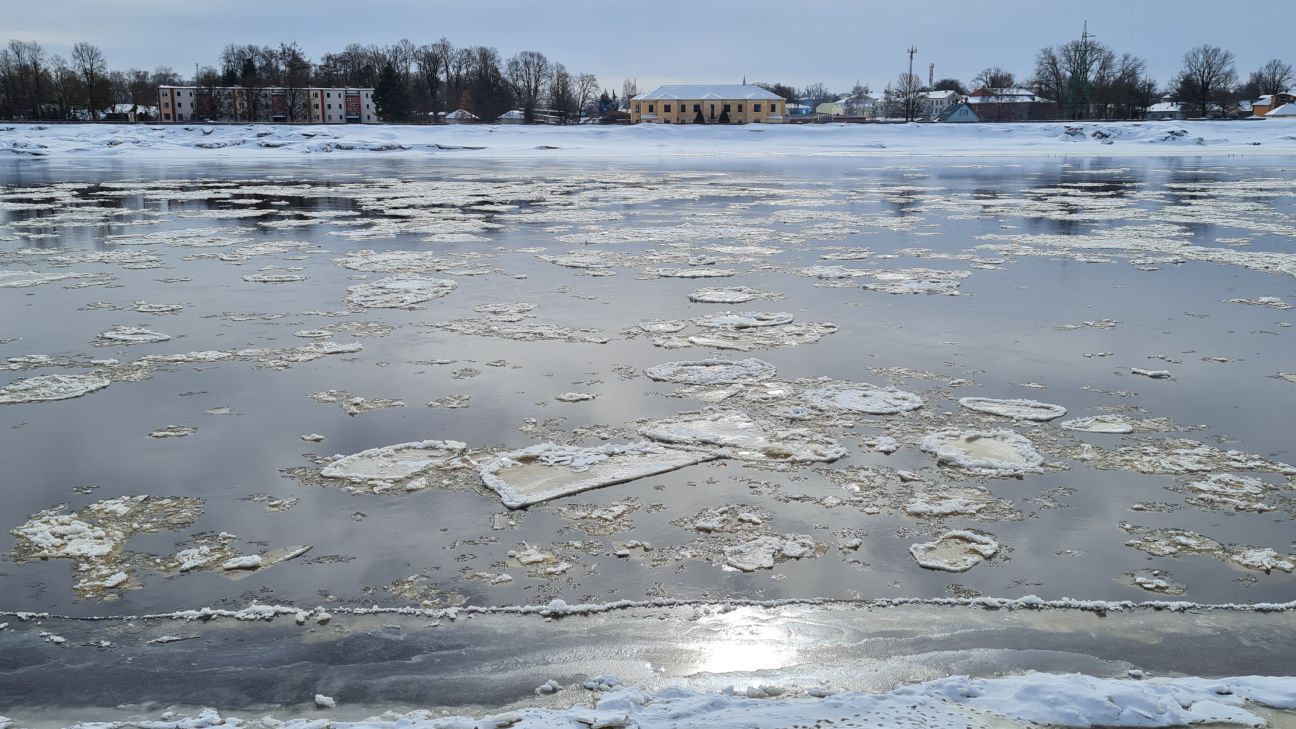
{"points": [[1265, 138]]}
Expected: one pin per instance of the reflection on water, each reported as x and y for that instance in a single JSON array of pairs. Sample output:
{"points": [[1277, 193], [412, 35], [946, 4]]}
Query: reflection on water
{"points": [[1077, 271]]}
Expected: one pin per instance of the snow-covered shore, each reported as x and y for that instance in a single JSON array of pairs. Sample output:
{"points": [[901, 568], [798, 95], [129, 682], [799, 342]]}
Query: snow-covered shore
{"points": [[1260, 138], [1062, 700]]}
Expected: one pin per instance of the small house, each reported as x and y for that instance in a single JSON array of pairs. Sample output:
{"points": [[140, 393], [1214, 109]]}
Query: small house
{"points": [[960, 113]]}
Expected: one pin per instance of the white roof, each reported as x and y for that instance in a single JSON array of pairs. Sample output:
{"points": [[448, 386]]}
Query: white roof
{"points": [[707, 91], [515, 114], [940, 94], [1165, 106], [461, 114], [1284, 110]]}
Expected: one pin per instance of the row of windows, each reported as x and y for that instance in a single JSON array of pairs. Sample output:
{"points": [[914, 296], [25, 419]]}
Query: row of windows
{"points": [[697, 108]]}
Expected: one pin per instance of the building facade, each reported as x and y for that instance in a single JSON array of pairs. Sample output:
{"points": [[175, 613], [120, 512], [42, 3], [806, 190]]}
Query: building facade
{"points": [[1267, 103], [1002, 105], [708, 104], [270, 104]]}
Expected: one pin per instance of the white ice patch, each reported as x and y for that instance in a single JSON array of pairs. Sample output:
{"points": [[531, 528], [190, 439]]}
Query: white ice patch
{"points": [[863, 398], [44, 388], [398, 292], [762, 553], [745, 319], [1020, 409], [712, 371], [729, 295], [132, 335], [274, 278], [1098, 424], [548, 471], [986, 452], [406, 464], [955, 551], [734, 434]]}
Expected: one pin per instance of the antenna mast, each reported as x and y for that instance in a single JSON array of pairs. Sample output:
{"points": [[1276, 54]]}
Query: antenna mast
{"points": [[1078, 97]]}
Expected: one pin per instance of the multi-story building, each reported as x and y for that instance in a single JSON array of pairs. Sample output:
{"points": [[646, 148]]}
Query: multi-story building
{"points": [[269, 104], [708, 104]]}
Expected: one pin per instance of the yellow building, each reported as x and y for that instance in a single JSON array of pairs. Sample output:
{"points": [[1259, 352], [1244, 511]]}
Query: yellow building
{"points": [[708, 104]]}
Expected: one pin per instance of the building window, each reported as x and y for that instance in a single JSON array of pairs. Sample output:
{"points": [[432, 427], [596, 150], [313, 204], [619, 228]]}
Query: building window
{"points": [[666, 108], [697, 107], [756, 108], [330, 106], [773, 108], [636, 108], [740, 108], [726, 108], [650, 108]]}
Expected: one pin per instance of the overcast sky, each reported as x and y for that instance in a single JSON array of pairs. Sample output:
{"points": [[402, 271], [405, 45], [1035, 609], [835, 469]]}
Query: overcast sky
{"points": [[676, 41]]}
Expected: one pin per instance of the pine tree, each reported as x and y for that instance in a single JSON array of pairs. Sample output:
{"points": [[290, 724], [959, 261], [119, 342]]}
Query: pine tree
{"points": [[390, 98]]}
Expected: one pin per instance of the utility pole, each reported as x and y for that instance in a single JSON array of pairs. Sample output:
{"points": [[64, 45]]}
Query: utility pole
{"points": [[931, 75], [909, 101]]}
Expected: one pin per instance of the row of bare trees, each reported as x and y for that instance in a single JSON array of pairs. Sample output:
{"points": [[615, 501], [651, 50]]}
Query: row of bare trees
{"points": [[417, 81], [410, 81], [35, 84]]}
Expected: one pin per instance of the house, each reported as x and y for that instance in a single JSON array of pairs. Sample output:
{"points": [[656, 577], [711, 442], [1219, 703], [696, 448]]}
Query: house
{"points": [[1165, 110], [1010, 104], [962, 112], [1286, 111], [517, 116], [708, 104], [461, 116], [269, 104], [860, 106], [1267, 103], [932, 104]]}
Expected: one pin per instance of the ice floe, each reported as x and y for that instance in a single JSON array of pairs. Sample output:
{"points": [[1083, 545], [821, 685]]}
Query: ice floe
{"points": [[44, 388], [734, 434], [762, 553], [955, 551], [1018, 409], [1098, 424], [404, 466], [862, 398], [712, 371], [398, 292], [985, 452], [547, 471], [730, 295]]}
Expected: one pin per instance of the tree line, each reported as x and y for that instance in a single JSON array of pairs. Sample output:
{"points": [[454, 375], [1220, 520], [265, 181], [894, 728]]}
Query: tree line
{"points": [[1084, 78], [410, 81]]}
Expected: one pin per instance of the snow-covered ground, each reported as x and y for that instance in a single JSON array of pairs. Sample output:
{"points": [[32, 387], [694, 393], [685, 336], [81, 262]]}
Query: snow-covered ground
{"points": [[1066, 700], [1259, 138]]}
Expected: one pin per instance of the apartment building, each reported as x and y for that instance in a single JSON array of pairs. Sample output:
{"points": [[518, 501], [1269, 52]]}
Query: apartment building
{"points": [[270, 104]]}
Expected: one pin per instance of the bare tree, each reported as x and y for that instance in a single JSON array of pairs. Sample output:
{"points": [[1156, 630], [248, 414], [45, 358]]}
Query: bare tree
{"points": [[431, 61], [994, 78], [629, 90], [1274, 77], [89, 62], [1207, 75], [906, 91], [527, 73], [587, 86], [296, 79]]}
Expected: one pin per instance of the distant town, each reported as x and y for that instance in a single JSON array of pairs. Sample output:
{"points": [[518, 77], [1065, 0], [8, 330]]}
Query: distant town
{"points": [[439, 83]]}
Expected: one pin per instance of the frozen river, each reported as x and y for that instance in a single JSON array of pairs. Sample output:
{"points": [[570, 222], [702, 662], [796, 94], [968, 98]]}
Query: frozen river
{"points": [[230, 329]]}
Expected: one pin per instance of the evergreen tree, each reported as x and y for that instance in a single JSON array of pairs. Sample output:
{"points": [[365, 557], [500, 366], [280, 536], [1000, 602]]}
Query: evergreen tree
{"points": [[389, 96]]}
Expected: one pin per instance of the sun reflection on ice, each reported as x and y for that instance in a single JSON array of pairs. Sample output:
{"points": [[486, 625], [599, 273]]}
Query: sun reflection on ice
{"points": [[742, 640]]}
